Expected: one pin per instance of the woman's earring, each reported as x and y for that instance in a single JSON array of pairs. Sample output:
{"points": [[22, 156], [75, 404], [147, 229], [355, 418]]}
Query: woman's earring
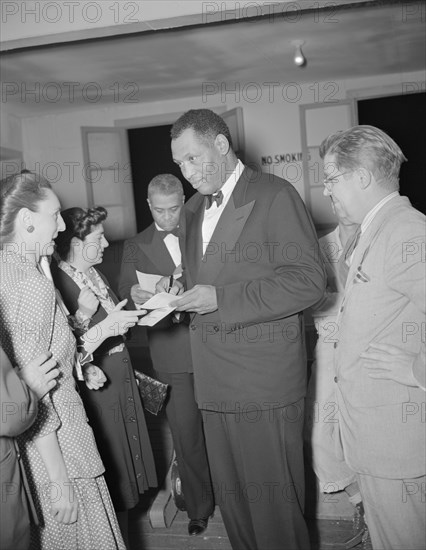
{"points": [[30, 228]]}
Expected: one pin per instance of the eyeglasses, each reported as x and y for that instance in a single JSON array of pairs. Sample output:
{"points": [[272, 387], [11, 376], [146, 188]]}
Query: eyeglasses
{"points": [[329, 181]]}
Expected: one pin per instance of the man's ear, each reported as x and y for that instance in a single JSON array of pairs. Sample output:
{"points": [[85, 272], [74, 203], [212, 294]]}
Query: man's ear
{"points": [[222, 144], [364, 177], [149, 204]]}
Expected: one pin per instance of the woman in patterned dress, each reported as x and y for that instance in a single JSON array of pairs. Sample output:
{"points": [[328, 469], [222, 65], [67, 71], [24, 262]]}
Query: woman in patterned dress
{"points": [[59, 451], [115, 410]]}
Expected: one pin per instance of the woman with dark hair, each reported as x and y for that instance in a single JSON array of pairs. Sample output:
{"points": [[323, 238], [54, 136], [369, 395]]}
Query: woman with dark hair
{"points": [[114, 409], [58, 451]]}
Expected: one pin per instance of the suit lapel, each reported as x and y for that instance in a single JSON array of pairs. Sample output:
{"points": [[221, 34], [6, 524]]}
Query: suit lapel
{"points": [[224, 238], [193, 242], [368, 238], [158, 254]]}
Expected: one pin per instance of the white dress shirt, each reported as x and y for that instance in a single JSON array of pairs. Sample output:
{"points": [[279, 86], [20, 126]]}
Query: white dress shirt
{"points": [[172, 245], [212, 215]]}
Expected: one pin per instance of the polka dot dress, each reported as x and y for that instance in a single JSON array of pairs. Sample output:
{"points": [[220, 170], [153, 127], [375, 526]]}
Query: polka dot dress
{"points": [[32, 324]]}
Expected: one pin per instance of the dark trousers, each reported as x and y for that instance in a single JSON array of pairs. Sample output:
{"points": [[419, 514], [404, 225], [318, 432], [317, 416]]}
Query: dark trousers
{"points": [[186, 426], [256, 461]]}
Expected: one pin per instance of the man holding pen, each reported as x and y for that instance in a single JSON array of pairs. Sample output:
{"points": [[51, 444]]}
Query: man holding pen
{"points": [[171, 281], [156, 251]]}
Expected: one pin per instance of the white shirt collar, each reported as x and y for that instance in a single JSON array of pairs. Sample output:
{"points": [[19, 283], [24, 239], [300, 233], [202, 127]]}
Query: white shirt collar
{"points": [[373, 212], [158, 228], [231, 182]]}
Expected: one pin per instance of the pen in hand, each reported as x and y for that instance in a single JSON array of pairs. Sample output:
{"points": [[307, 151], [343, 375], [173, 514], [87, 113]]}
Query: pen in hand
{"points": [[170, 283]]}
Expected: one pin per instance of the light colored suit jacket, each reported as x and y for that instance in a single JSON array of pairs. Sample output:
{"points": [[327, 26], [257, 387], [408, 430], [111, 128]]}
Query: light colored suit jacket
{"points": [[381, 421], [262, 259]]}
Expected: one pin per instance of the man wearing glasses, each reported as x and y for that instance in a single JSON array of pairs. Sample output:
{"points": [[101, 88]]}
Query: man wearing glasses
{"points": [[379, 350]]}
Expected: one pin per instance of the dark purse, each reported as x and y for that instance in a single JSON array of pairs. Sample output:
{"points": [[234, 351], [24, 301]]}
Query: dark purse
{"points": [[153, 392]]}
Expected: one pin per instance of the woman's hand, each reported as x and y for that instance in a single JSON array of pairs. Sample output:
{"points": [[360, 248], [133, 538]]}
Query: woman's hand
{"points": [[120, 320], [87, 302], [40, 373], [140, 296], [63, 501], [93, 376]]}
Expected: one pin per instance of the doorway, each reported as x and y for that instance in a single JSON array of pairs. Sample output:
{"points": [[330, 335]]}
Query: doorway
{"points": [[150, 155], [401, 117]]}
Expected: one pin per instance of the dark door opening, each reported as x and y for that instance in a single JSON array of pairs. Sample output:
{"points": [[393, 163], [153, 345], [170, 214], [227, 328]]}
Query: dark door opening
{"points": [[402, 117], [150, 155]]}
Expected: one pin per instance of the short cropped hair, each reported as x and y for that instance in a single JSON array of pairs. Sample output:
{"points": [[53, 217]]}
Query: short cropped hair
{"points": [[369, 147], [165, 184], [23, 190], [205, 123], [79, 222]]}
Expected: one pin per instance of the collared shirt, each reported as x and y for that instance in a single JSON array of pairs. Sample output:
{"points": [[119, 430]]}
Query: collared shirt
{"points": [[212, 215], [172, 244], [372, 213]]}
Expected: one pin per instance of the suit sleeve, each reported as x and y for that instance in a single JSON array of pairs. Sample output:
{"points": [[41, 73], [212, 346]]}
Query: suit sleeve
{"points": [[297, 278], [329, 304], [18, 402]]}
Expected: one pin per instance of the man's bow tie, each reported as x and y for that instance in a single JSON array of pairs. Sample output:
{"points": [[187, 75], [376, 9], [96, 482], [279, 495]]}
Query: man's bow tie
{"points": [[217, 198], [174, 232]]}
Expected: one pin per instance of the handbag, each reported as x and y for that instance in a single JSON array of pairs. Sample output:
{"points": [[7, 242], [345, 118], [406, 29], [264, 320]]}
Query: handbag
{"points": [[153, 392]]}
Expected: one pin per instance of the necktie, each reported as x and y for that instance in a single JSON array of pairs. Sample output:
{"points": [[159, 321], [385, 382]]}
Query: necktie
{"points": [[174, 232], [217, 198], [343, 267]]}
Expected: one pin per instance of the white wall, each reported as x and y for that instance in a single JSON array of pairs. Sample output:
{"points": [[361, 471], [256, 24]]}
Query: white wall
{"points": [[10, 130], [29, 18], [52, 144], [10, 143]]}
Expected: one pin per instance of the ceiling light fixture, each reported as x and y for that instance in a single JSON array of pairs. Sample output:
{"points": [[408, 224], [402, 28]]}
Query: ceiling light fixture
{"points": [[299, 59]]}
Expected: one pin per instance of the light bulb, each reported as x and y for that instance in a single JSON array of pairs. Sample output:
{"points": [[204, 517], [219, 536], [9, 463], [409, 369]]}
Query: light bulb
{"points": [[299, 59]]}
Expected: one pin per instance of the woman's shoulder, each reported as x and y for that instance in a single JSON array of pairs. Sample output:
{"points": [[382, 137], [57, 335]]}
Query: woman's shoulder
{"points": [[18, 274]]}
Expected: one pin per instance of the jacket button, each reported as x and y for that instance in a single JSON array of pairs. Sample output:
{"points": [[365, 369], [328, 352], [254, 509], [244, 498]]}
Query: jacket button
{"points": [[125, 360], [216, 328], [335, 345], [335, 379], [193, 327]]}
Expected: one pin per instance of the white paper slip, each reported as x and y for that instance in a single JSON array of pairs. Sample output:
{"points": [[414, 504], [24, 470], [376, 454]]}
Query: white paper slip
{"points": [[161, 300], [147, 281], [154, 316], [160, 306]]}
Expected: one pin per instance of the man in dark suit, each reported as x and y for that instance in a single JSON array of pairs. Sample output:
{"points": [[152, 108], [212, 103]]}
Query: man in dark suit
{"points": [[156, 251], [250, 267]]}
